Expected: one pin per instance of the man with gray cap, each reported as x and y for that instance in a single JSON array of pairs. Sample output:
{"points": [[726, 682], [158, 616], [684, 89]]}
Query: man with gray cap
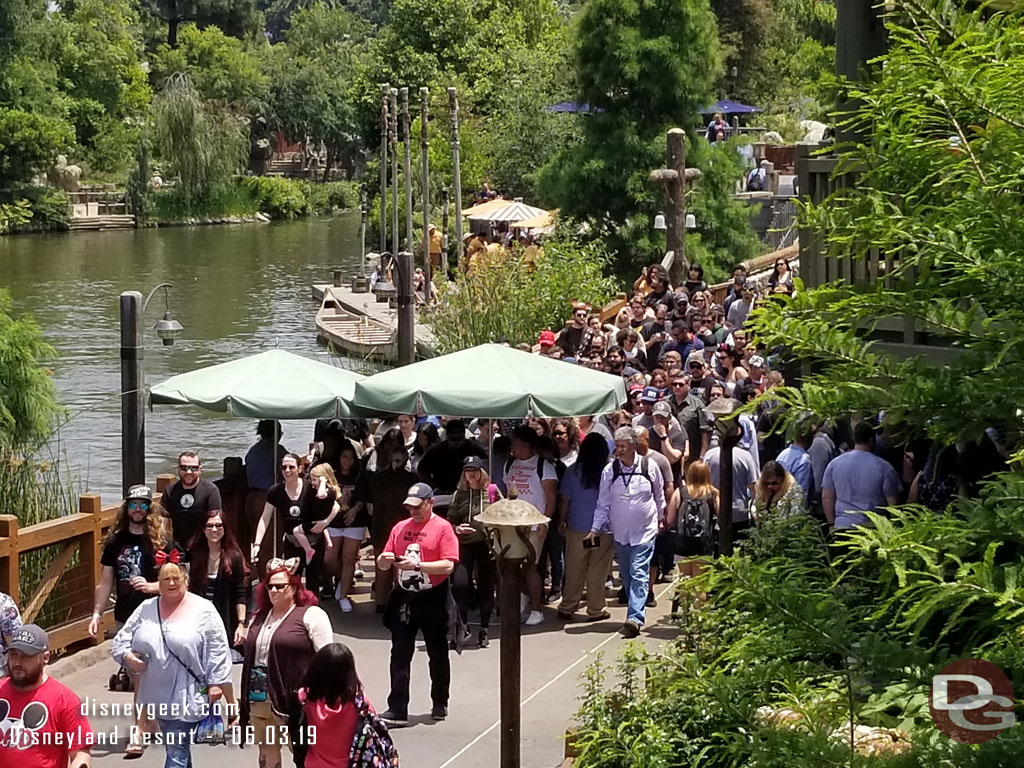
{"points": [[47, 727], [631, 503], [423, 551]]}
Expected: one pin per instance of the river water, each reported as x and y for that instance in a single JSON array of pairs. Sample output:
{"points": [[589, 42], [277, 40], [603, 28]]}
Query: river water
{"points": [[238, 290]]}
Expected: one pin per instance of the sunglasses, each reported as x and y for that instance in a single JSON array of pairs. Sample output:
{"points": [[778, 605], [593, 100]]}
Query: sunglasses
{"points": [[288, 466], [560, 434], [214, 526], [138, 505], [278, 587], [187, 470], [678, 383]]}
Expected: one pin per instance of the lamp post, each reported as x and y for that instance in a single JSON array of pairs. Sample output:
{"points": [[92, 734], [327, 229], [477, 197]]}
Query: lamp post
{"points": [[724, 410], [508, 525], [674, 179], [133, 387]]}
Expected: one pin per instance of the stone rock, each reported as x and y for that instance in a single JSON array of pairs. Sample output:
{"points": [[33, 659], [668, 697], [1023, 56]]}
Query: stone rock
{"points": [[772, 137], [262, 218], [64, 176], [814, 132]]}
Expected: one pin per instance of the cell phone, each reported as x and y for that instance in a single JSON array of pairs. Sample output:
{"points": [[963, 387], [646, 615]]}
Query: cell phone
{"points": [[593, 543]]}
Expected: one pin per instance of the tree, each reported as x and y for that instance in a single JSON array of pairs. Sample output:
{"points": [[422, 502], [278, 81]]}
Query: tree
{"points": [[311, 80], [28, 399], [204, 145], [641, 68], [29, 142], [232, 16]]}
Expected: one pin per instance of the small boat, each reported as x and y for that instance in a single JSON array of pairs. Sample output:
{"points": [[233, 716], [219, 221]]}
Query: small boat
{"points": [[353, 333]]}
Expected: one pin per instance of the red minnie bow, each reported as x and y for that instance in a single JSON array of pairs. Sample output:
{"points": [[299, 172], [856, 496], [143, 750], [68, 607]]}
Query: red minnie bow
{"points": [[174, 556]]}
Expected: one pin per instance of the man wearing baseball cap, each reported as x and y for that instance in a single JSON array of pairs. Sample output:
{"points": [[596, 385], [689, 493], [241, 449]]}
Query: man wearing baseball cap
{"points": [[48, 729], [423, 552], [546, 342]]}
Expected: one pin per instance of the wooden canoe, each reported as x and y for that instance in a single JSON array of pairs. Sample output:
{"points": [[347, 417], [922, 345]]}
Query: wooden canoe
{"points": [[355, 334]]}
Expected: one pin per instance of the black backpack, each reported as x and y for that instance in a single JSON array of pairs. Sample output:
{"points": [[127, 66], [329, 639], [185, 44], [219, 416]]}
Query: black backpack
{"points": [[695, 528], [755, 182], [617, 471]]}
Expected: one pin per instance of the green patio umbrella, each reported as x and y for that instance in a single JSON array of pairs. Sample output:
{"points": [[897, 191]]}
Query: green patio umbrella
{"points": [[270, 385], [492, 381]]}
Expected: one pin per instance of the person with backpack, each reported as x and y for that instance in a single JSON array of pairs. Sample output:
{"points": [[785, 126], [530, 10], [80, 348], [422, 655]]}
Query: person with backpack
{"points": [[528, 476], [757, 179], [693, 515], [349, 733], [631, 500]]}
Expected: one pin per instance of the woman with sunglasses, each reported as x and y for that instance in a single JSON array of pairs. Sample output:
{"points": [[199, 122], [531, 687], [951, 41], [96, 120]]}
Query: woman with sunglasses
{"points": [[782, 275], [285, 502], [657, 277], [730, 365], [285, 632], [219, 573], [567, 440]]}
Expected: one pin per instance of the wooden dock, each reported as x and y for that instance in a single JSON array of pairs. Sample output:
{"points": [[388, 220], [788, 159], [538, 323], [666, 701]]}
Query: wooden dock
{"points": [[367, 304]]}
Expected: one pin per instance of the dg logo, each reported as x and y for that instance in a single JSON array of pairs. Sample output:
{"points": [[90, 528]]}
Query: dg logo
{"points": [[972, 701]]}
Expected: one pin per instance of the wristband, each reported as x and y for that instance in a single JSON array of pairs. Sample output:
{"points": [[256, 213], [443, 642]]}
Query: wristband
{"points": [[97, 615]]}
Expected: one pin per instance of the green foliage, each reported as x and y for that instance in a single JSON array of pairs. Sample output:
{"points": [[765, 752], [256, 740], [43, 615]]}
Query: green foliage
{"points": [[724, 236], [49, 207], [14, 215], [235, 17], [204, 145], [28, 400], [169, 205], [28, 142], [279, 198], [222, 68], [643, 68], [510, 300]]}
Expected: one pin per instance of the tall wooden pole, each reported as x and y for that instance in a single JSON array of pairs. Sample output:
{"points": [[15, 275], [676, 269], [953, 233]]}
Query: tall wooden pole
{"points": [[425, 162], [385, 89], [133, 395], [676, 219], [406, 317], [729, 438], [444, 228], [453, 108], [393, 142], [362, 229], [510, 670], [407, 169]]}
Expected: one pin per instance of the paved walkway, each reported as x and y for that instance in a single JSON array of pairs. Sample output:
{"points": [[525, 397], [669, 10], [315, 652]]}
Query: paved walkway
{"points": [[553, 658]]}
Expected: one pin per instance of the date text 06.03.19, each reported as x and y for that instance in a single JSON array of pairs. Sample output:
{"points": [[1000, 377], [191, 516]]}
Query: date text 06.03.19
{"points": [[272, 735]]}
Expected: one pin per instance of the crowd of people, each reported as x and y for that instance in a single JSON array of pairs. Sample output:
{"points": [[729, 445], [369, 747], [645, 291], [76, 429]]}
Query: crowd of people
{"points": [[636, 491]]}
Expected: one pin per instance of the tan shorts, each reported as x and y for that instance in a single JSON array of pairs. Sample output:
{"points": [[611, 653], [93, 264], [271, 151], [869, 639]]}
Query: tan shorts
{"points": [[537, 540], [269, 729]]}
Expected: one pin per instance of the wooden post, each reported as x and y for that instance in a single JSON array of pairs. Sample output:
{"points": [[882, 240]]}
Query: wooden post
{"points": [[90, 549], [9, 564], [162, 481], [510, 661], [453, 109], [676, 219], [444, 231], [393, 143], [407, 170], [362, 230], [385, 89], [425, 163], [860, 37], [406, 316], [133, 395]]}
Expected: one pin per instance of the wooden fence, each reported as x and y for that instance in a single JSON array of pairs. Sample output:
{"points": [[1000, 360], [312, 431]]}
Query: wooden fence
{"points": [[71, 547]]}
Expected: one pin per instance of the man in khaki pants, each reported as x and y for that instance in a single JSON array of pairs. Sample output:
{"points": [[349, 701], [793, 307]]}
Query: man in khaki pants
{"points": [[585, 563]]}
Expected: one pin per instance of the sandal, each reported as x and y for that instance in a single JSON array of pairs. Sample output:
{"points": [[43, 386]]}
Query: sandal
{"points": [[134, 751]]}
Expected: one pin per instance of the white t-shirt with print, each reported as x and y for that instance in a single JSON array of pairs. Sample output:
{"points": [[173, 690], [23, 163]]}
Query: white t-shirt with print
{"points": [[524, 483]]}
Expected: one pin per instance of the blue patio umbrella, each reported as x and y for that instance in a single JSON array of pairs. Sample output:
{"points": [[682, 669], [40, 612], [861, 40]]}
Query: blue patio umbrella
{"points": [[727, 107]]}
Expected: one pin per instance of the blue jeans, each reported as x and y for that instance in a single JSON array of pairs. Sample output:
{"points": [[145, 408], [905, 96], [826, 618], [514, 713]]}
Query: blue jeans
{"points": [[635, 570], [177, 742]]}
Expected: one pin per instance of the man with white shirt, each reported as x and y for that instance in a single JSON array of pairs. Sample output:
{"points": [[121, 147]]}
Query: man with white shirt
{"points": [[631, 504]]}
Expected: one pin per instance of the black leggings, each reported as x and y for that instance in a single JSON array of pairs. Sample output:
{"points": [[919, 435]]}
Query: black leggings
{"points": [[475, 555]]}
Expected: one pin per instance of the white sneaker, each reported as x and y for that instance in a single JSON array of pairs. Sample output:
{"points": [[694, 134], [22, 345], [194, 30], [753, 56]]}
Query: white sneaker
{"points": [[358, 574], [535, 618], [346, 605]]}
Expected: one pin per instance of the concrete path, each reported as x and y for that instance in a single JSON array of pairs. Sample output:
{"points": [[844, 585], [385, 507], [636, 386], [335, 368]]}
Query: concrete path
{"points": [[553, 658]]}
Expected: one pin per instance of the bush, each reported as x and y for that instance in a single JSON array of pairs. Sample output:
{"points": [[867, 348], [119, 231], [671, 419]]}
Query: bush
{"points": [[169, 204], [510, 300], [33, 209], [331, 196], [277, 197]]}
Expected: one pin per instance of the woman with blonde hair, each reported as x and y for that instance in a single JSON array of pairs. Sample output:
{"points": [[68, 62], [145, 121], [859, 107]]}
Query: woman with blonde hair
{"points": [[777, 495], [319, 509], [693, 516]]}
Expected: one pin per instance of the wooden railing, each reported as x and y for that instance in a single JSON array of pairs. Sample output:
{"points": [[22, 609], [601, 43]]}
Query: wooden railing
{"points": [[71, 547]]}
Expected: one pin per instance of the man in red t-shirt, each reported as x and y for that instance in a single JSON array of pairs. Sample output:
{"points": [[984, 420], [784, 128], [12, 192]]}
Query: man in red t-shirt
{"points": [[41, 721], [423, 550]]}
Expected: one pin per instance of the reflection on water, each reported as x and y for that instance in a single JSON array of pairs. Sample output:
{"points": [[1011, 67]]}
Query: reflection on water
{"points": [[237, 290]]}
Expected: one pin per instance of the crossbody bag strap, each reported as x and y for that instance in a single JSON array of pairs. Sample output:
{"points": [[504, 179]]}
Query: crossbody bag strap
{"points": [[193, 675]]}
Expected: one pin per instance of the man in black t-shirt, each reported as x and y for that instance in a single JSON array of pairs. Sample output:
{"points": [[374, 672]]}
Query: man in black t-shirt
{"points": [[441, 465], [187, 500]]}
